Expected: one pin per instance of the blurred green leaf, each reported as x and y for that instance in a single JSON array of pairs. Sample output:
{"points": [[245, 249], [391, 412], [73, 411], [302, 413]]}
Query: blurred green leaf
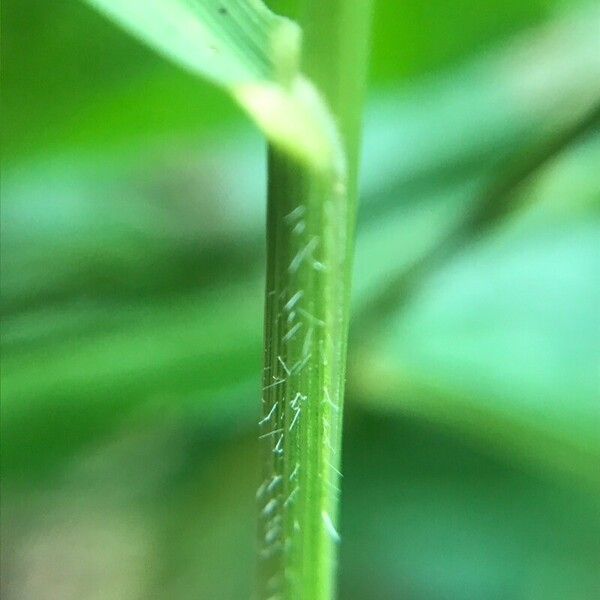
{"points": [[148, 359], [502, 345], [427, 517]]}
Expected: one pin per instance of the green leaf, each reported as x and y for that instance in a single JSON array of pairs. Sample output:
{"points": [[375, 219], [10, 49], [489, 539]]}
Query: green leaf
{"points": [[501, 346], [251, 53], [230, 43], [135, 363], [429, 513]]}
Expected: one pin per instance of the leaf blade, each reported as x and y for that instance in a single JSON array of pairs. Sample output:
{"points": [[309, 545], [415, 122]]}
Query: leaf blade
{"points": [[250, 52], [207, 37]]}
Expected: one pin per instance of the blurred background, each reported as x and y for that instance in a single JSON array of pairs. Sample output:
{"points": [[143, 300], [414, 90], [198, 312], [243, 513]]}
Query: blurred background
{"points": [[132, 282]]}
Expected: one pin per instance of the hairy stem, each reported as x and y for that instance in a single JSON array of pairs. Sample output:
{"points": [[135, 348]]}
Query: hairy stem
{"points": [[310, 233]]}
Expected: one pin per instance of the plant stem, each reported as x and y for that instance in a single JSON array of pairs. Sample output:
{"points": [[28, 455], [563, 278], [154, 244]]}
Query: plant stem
{"points": [[335, 51], [310, 237]]}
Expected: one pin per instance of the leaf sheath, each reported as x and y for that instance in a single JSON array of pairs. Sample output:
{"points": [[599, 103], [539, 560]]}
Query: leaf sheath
{"points": [[305, 331]]}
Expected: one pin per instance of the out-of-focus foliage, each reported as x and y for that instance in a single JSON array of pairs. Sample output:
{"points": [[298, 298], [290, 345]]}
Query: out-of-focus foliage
{"points": [[132, 217]]}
